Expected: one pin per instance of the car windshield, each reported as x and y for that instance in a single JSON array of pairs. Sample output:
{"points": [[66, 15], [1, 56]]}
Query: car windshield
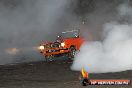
{"points": [[70, 34]]}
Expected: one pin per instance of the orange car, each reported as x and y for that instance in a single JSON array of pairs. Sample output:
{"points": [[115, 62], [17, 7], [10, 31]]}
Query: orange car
{"points": [[66, 44]]}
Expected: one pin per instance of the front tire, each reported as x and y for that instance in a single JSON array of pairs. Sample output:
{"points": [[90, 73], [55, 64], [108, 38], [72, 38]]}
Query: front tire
{"points": [[49, 58], [72, 52]]}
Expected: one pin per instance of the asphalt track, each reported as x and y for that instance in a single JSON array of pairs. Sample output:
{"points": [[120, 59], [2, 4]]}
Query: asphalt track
{"points": [[51, 75]]}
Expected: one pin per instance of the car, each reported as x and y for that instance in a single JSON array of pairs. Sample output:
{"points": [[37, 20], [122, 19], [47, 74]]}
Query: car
{"points": [[67, 44]]}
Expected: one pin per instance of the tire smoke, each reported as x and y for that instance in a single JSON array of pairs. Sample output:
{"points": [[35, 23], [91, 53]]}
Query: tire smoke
{"points": [[113, 54]]}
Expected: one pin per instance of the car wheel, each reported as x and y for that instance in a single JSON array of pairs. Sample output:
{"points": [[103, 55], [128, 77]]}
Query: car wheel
{"points": [[49, 58], [72, 52]]}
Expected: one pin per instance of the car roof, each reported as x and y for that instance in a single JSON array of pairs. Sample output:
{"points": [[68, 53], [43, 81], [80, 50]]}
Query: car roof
{"points": [[70, 31]]}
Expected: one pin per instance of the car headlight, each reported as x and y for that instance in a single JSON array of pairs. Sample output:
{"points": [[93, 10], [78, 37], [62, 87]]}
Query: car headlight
{"points": [[41, 47], [63, 44]]}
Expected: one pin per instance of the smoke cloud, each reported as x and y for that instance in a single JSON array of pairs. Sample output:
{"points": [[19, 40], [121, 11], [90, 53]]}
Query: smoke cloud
{"points": [[24, 24], [113, 54]]}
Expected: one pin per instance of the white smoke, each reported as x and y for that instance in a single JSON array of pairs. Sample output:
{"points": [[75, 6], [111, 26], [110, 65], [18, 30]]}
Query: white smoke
{"points": [[114, 53], [24, 24]]}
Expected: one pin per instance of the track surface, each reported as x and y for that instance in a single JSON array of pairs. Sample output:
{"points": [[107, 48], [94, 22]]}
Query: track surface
{"points": [[50, 75]]}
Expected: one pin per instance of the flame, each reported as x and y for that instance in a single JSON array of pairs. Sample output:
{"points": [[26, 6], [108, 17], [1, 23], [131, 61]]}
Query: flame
{"points": [[84, 73]]}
